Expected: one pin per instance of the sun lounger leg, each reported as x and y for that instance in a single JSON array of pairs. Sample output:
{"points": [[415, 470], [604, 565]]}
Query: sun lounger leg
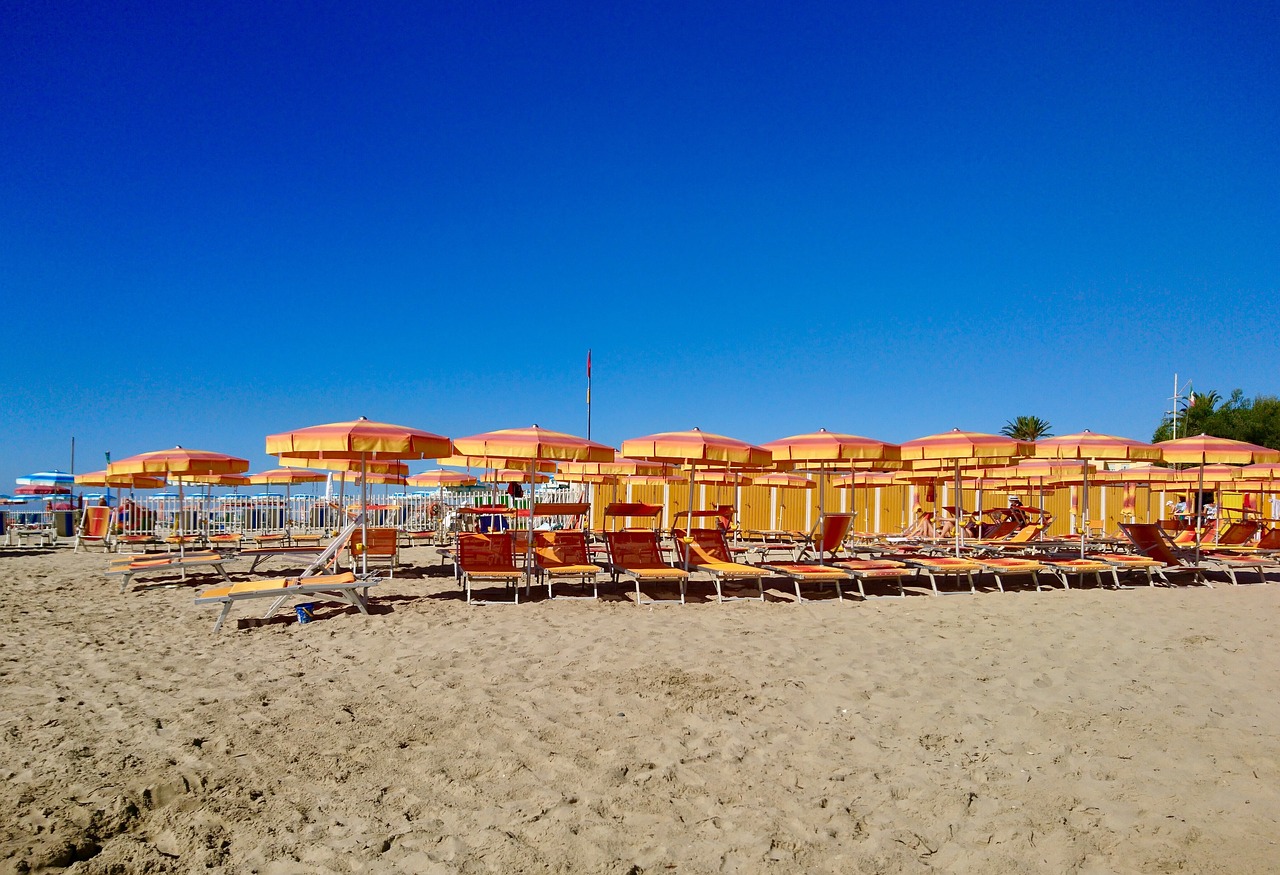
{"points": [[275, 606], [973, 588], [999, 581], [799, 599], [222, 615]]}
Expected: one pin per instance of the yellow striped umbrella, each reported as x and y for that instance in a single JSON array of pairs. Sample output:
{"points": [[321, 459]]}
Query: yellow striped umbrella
{"points": [[533, 444], [822, 449], [120, 481], [361, 440], [1094, 447], [1203, 449], [286, 477], [619, 465], [457, 461], [370, 478], [1207, 449], [441, 478], [346, 465], [695, 447], [960, 447], [179, 460], [788, 481], [512, 475], [182, 462]]}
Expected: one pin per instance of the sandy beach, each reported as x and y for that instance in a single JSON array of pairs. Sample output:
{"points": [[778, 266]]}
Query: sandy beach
{"points": [[1084, 731]]}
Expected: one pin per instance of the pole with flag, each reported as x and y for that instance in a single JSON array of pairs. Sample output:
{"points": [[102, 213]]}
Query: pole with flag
{"points": [[588, 394]]}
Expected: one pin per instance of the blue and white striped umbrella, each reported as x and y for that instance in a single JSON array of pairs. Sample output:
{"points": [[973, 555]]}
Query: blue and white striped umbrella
{"points": [[48, 478]]}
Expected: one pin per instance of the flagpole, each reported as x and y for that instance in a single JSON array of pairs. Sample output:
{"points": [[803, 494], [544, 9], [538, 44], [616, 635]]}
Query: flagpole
{"points": [[588, 394]]}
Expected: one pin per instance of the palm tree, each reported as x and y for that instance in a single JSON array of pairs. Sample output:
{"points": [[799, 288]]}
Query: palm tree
{"points": [[1027, 428]]}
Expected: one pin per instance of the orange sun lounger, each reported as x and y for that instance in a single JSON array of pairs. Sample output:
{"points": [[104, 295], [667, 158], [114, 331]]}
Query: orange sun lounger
{"points": [[638, 555], [563, 554], [127, 567], [345, 588], [934, 567], [487, 557], [707, 551], [877, 569]]}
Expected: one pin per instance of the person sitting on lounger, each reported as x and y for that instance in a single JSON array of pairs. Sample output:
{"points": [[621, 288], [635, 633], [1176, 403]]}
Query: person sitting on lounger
{"points": [[1017, 512]]}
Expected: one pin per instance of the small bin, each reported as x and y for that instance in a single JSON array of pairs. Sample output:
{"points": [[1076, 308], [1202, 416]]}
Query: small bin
{"points": [[62, 523]]}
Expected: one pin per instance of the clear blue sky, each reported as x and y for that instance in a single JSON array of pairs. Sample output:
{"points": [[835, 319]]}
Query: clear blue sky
{"points": [[221, 220]]}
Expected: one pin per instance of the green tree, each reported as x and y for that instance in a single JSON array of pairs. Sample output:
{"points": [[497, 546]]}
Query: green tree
{"points": [[1027, 428], [1256, 420]]}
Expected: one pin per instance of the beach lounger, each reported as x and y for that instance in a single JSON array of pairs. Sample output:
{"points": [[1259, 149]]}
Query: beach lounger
{"points": [[382, 543], [95, 529], [1150, 540], [1130, 562], [934, 567], [1063, 566], [809, 572], [562, 554], [999, 567], [226, 541], [344, 588], [638, 555], [863, 570], [625, 510], [260, 554], [708, 551], [1153, 542], [128, 567], [487, 557]]}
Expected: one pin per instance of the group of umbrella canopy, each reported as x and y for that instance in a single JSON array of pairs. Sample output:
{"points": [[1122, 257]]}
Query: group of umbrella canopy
{"points": [[381, 450]]}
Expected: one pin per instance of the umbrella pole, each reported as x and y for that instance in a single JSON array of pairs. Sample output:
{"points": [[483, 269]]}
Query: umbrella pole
{"points": [[1200, 508], [364, 515], [956, 522], [1084, 506], [693, 473], [528, 547], [822, 512], [181, 509]]}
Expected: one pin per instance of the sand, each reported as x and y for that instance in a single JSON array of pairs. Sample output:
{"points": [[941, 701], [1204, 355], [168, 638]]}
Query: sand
{"points": [[1082, 731]]}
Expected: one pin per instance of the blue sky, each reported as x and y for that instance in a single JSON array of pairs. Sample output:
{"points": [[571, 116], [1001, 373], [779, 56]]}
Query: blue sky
{"points": [[231, 219]]}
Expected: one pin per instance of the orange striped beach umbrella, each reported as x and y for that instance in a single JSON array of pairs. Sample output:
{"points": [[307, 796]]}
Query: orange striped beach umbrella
{"points": [[513, 475], [961, 447], [533, 444], [346, 465], [694, 448], [120, 481], [1203, 449], [371, 478], [182, 462], [460, 461], [822, 449], [784, 479], [441, 478], [179, 460], [360, 440], [286, 477]]}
